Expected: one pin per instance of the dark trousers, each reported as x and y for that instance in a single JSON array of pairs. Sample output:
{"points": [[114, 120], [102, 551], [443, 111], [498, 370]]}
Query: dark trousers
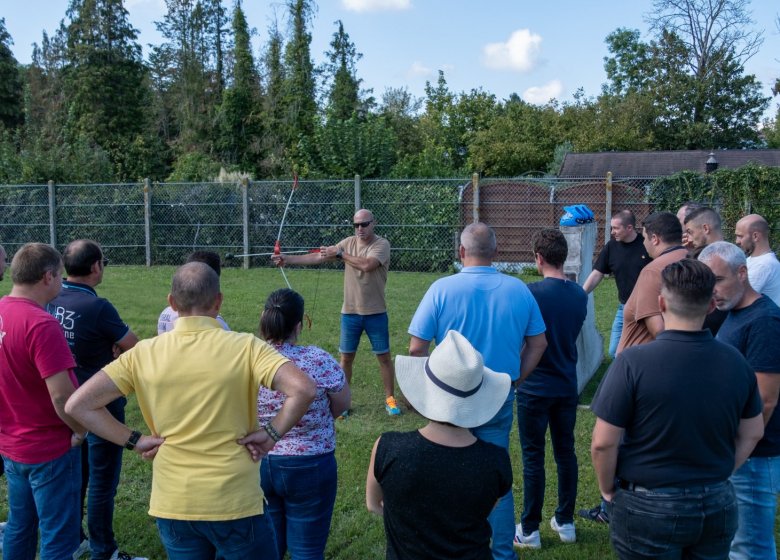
{"points": [[534, 415], [674, 524], [101, 465]]}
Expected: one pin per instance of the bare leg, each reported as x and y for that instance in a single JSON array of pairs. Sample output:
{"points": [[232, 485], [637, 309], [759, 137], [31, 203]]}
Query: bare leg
{"points": [[388, 373], [346, 364]]}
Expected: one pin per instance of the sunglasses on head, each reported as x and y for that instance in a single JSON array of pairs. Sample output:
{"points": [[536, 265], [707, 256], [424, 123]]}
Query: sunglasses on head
{"points": [[362, 224], [105, 261]]}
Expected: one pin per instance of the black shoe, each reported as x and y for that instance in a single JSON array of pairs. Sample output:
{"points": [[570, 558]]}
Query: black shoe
{"points": [[596, 514]]}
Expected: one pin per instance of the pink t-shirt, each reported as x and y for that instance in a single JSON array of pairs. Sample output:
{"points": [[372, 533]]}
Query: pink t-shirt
{"points": [[314, 434], [32, 348]]}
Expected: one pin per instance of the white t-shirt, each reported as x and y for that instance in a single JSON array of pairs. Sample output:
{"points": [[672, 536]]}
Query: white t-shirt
{"points": [[168, 318], [764, 275]]}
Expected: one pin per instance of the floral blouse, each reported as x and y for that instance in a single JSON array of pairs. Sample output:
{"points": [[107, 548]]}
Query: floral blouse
{"points": [[314, 434]]}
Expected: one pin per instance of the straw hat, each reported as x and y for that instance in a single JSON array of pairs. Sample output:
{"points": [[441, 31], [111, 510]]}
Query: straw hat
{"points": [[452, 384]]}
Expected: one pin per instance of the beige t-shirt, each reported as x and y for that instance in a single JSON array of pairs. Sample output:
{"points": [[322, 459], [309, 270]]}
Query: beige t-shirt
{"points": [[364, 292]]}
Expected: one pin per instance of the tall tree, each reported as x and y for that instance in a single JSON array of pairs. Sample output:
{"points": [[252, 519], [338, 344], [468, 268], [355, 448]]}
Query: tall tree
{"points": [[688, 109], [239, 114], [299, 91], [521, 139], [187, 66], [344, 90], [274, 139], [10, 82], [105, 81]]}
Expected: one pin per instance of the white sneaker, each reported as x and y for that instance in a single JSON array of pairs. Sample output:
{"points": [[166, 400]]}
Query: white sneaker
{"points": [[566, 531], [81, 550], [526, 541]]}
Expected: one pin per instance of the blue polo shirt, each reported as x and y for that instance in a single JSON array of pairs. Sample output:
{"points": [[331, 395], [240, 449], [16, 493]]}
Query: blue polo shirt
{"points": [[91, 325], [495, 312]]}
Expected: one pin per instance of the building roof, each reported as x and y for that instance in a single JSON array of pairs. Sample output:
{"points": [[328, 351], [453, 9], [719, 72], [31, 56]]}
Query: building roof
{"points": [[658, 164]]}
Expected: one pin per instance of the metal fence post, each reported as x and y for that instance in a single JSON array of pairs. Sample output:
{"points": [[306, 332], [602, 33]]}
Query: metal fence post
{"points": [[148, 221], [52, 214], [608, 207], [245, 217], [358, 204], [475, 190]]}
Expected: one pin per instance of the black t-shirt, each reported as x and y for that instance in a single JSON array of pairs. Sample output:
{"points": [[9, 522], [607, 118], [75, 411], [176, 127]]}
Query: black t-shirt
{"points": [[680, 399], [91, 325], [755, 332], [436, 498], [564, 305], [624, 261]]}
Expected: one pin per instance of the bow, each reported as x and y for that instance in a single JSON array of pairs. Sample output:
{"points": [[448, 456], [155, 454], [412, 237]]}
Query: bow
{"points": [[278, 244], [278, 249]]}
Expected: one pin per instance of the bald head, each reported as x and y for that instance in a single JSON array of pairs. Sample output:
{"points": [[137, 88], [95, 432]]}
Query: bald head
{"points": [[195, 288], [752, 235], [478, 241], [364, 223], [363, 215], [754, 222]]}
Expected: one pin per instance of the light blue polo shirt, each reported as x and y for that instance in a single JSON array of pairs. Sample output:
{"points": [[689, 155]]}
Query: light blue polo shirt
{"points": [[495, 312]]}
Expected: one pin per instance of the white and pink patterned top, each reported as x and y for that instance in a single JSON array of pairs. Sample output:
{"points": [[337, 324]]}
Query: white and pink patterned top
{"points": [[314, 434]]}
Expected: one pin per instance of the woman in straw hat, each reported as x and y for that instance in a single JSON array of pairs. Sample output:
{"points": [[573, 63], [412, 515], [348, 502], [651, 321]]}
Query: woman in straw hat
{"points": [[436, 486], [298, 475]]}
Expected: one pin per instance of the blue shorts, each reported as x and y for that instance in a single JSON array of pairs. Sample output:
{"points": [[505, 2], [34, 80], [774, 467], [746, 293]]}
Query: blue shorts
{"points": [[377, 329]]}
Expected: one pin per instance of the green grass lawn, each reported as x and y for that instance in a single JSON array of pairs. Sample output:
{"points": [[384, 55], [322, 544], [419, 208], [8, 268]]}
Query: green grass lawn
{"points": [[139, 294]]}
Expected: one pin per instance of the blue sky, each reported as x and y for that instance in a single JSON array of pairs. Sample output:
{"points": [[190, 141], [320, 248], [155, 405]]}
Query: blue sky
{"points": [[535, 49]]}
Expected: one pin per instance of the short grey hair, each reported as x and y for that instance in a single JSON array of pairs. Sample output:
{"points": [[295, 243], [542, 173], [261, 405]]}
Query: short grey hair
{"points": [[479, 240], [195, 286], [729, 253]]}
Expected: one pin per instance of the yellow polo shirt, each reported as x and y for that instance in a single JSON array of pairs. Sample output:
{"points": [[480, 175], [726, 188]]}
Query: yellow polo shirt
{"points": [[197, 387]]}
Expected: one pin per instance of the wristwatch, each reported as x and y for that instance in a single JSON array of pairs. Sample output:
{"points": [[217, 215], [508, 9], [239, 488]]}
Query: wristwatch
{"points": [[340, 253], [132, 440]]}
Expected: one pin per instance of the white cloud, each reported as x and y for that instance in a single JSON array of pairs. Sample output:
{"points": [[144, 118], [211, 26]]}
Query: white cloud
{"points": [[418, 69], [375, 5], [519, 52], [540, 95]]}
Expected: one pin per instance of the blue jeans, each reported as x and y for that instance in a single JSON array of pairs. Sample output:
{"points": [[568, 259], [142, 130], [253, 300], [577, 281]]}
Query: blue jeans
{"points": [[534, 414], [237, 539], [101, 464], [756, 483], [617, 330], [502, 518], [301, 491], [43, 496], [377, 329], [696, 523]]}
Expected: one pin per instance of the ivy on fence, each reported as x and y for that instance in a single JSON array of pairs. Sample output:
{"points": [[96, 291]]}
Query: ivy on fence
{"points": [[750, 189]]}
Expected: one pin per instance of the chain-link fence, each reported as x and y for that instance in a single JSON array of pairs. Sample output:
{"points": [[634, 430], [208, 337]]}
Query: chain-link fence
{"points": [[160, 223]]}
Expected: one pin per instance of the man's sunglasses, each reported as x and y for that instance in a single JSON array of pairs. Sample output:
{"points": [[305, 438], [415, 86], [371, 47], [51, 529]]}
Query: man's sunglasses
{"points": [[362, 224]]}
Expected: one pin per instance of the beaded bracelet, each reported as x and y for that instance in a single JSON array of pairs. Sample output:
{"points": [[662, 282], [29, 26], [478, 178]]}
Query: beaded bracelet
{"points": [[272, 433]]}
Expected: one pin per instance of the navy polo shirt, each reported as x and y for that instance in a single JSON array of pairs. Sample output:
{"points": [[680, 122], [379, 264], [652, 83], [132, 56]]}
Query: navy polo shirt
{"points": [[91, 325], [755, 331]]}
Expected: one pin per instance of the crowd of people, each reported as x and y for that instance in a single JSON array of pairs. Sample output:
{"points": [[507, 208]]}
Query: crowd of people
{"points": [[686, 445]]}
